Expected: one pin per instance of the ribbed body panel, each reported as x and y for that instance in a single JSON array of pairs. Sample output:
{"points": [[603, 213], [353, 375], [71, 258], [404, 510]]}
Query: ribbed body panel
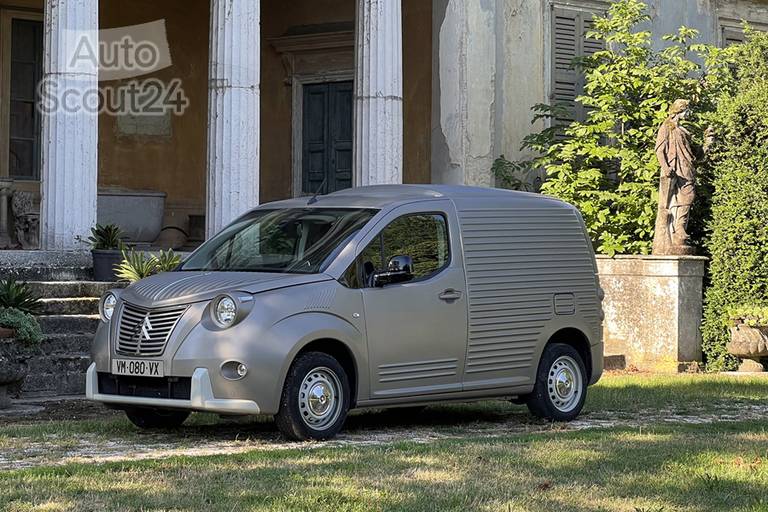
{"points": [[518, 261]]}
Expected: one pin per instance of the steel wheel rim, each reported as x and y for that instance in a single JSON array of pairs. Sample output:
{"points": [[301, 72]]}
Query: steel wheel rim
{"points": [[565, 384], [320, 398]]}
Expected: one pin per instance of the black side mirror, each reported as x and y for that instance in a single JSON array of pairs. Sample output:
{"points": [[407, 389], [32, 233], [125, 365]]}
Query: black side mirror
{"points": [[399, 270]]}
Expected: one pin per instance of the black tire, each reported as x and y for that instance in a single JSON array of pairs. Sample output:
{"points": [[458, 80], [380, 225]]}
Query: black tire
{"points": [[152, 419], [554, 402], [319, 373]]}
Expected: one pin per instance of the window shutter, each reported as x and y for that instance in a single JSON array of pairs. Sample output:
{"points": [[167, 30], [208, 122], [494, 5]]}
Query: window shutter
{"points": [[570, 41], [732, 36]]}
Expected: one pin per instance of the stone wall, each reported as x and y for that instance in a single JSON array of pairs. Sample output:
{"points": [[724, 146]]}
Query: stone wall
{"points": [[653, 309]]}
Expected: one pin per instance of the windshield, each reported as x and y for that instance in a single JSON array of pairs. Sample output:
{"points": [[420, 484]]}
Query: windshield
{"points": [[292, 241]]}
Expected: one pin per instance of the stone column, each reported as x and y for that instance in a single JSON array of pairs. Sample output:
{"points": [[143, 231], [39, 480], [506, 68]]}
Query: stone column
{"points": [[233, 111], [69, 131], [379, 93]]}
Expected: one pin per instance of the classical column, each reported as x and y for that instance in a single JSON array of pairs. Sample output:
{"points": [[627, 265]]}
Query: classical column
{"points": [[379, 93], [233, 111], [69, 123]]}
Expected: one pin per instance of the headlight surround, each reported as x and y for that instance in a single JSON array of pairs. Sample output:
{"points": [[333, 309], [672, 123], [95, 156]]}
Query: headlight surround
{"points": [[108, 304], [225, 311]]}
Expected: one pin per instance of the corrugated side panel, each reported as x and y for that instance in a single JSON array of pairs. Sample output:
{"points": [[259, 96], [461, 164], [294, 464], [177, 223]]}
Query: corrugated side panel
{"points": [[517, 260]]}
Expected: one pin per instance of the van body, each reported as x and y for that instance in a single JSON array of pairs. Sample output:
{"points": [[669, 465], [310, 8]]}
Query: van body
{"points": [[383, 296]]}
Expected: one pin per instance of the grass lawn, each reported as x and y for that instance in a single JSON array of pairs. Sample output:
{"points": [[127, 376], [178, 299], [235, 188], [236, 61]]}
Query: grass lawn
{"points": [[681, 445]]}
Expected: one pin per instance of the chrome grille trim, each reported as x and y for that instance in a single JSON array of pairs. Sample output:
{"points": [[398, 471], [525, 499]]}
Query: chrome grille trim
{"points": [[130, 339]]}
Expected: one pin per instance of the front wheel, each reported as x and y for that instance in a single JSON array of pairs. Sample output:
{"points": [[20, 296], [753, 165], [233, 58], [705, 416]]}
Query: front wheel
{"points": [[150, 419], [315, 399], [561, 384]]}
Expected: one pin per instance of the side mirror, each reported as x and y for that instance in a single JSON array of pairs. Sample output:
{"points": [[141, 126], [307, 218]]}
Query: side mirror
{"points": [[399, 270]]}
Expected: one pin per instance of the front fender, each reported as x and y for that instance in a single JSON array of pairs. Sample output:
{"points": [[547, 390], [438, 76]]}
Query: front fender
{"points": [[305, 328]]}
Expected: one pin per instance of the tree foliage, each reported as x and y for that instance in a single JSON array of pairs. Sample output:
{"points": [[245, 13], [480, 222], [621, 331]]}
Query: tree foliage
{"points": [[606, 165], [739, 226]]}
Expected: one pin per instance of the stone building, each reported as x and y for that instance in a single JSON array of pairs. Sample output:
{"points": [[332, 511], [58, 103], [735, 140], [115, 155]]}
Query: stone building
{"points": [[283, 98]]}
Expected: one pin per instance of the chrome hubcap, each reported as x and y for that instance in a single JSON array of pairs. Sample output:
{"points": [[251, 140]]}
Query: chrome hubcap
{"points": [[320, 398], [564, 384]]}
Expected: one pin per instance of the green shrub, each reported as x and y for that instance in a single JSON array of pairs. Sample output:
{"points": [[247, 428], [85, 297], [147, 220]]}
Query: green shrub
{"points": [[26, 326], [106, 238], [739, 225], [753, 316], [138, 265], [14, 294], [606, 165]]}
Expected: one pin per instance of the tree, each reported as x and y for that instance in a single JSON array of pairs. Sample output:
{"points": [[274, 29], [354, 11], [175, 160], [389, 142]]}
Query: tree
{"points": [[606, 165]]}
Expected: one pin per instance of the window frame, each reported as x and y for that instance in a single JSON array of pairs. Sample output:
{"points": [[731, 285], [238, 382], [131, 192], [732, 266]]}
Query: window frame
{"points": [[6, 39], [356, 267]]}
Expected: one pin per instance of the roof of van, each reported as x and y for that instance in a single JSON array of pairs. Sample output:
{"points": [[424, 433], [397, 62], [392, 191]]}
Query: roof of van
{"points": [[381, 196]]}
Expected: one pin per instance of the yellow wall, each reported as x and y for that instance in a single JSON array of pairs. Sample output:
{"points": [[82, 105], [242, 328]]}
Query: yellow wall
{"points": [[176, 164]]}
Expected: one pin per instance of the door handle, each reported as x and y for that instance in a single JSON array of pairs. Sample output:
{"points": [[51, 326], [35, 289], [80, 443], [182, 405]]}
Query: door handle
{"points": [[450, 295]]}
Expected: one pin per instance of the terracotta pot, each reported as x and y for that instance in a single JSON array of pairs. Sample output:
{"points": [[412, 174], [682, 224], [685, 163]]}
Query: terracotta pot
{"points": [[7, 333]]}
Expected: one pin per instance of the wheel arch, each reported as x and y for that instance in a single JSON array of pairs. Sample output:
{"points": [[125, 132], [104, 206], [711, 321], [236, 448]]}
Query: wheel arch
{"points": [[339, 351], [575, 338]]}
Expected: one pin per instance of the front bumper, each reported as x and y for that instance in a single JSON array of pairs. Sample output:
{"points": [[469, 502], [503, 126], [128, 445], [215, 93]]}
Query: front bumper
{"points": [[201, 397]]}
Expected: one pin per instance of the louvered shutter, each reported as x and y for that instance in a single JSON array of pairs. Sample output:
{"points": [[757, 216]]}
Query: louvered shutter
{"points": [[569, 41], [732, 36]]}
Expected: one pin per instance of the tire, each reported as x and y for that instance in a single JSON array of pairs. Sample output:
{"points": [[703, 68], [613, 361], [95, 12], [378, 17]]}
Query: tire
{"points": [[315, 399], [152, 419], [559, 364]]}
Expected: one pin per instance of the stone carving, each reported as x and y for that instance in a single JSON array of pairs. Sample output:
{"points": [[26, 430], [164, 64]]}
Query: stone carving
{"points": [[750, 344], [26, 221], [677, 191]]}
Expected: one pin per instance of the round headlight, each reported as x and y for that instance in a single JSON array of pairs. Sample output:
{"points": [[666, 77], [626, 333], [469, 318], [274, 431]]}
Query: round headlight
{"points": [[108, 306], [225, 311]]}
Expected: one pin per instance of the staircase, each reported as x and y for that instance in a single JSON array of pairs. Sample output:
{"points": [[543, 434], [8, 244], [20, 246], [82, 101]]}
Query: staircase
{"points": [[69, 317]]}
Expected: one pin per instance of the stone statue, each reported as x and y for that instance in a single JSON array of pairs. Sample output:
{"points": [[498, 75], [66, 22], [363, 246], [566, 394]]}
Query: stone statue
{"points": [[677, 192], [26, 221]]}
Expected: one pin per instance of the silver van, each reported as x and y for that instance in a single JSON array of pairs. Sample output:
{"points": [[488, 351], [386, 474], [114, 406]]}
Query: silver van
{"points": [[372, 297]]}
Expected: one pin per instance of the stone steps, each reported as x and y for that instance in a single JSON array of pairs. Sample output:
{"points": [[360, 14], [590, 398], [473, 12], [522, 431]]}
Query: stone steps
{"points": [[70, 289], [69, 324], [70, 306]]}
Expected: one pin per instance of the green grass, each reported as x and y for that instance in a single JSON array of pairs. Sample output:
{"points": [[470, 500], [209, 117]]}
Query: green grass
{"points": [[708, 467]]}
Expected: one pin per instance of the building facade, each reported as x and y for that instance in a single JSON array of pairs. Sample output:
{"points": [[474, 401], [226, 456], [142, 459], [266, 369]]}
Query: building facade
{"points": [[262, 99]]}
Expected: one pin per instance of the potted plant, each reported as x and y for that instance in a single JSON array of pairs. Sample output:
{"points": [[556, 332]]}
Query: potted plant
{"points": [[27, 332], [106, 248], [749, 337], [138, 265]]}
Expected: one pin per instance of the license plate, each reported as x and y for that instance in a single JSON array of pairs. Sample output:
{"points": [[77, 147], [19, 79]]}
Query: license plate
{"points": [[137, 368]]}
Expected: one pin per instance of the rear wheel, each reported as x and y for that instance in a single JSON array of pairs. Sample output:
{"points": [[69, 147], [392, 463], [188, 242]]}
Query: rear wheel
{"points": [[315, 399], [149, 419], [561, 384]]}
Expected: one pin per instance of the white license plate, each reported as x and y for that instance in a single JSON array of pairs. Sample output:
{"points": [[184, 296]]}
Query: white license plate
{"points": [[137, 368]]}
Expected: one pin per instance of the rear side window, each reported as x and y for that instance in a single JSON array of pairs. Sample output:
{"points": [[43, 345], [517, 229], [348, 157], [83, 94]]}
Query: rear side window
{"points": [[423, 237]]}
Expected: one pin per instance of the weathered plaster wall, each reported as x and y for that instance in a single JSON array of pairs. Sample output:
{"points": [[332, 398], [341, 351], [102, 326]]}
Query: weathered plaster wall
{"points": [[173, 163], [469, 77], [653, 309]]}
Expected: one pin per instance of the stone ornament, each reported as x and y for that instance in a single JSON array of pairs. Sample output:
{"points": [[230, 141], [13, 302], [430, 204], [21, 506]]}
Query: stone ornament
{"points": [[26, 221], [750, 344], [677, 190]]}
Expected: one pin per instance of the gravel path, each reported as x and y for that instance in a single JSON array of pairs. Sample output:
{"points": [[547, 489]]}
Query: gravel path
{"points": [[363, 429]]}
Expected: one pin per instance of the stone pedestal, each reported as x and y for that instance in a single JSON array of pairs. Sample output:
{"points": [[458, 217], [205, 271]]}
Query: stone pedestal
{"points": [[69, 132], [379, 93], [653, 309], [233, 111]]}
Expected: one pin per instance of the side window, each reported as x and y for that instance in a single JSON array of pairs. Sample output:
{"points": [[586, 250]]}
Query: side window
{"points": [[423, 237]]}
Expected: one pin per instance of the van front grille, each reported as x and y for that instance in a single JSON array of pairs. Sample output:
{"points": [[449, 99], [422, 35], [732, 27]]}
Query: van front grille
{"points": [[145, 332]]}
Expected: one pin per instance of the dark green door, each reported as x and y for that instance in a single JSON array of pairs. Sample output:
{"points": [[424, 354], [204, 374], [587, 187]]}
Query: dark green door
{"points": [[327, 137]]}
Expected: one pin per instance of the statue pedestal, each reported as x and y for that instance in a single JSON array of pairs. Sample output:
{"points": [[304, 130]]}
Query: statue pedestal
{"points": [[653, 310]]}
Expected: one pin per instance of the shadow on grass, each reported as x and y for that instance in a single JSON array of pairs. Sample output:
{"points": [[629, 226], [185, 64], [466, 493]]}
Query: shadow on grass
{"points": [[682, 468]]}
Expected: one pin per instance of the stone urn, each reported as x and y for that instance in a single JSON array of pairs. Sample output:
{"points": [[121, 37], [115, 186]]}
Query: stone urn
{"points": [[12, 371], [750, 344]]}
